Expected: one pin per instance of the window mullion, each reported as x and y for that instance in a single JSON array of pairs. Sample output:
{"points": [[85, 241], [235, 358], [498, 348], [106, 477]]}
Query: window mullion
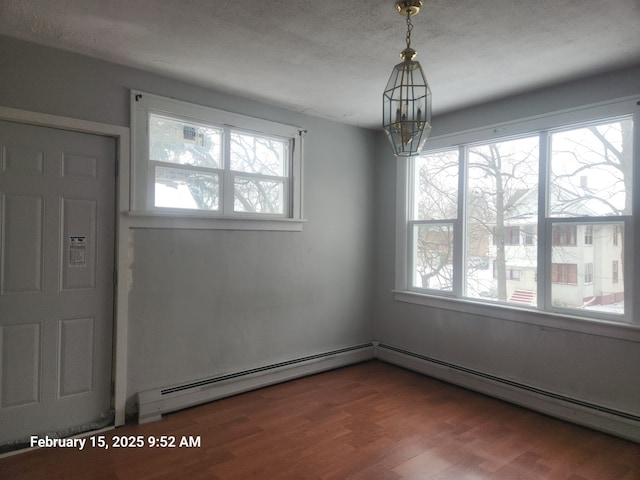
{"points": [[632, 230], [186, 167], [459, 231], [290, 173], [404, 198], [259, 176], [544, 226], [227, 186], [151, 185]]}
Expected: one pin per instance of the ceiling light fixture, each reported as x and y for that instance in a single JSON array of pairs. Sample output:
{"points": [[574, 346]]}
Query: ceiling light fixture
{"points": [[406, 102]]}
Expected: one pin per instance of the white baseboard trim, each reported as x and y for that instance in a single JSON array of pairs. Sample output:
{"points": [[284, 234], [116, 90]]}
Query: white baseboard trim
{"points": [[600, 418], [152, 404]]}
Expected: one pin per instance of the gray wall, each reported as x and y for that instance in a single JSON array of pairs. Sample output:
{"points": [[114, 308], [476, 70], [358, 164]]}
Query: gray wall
{"points": [[585, 366], [204, 303]]}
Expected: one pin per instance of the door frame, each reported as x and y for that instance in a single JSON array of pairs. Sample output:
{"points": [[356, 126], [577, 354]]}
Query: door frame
{"points": [[121, 299]]}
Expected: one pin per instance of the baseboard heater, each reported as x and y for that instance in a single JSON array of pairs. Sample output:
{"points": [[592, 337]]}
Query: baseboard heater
{"points": [[615, 422], [152, 404]]}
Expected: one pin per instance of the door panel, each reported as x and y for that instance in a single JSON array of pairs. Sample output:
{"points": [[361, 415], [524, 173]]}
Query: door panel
{"points": [[22, 227], [76, 356], [57, 210], [20, 368]]}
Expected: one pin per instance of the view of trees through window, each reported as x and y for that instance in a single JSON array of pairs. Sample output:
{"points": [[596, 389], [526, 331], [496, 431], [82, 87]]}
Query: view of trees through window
{"points": [[190, 170], [436, 200], [589, 185], [501, 200], [262, 161], [591, 170]]}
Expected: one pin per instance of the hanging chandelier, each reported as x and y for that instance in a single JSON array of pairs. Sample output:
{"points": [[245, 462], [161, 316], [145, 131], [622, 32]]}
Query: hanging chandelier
{"points": [[406, 102]]}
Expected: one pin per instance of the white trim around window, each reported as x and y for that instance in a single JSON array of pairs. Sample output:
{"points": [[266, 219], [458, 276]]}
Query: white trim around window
{"points": [[187, 170], [545, 313]]}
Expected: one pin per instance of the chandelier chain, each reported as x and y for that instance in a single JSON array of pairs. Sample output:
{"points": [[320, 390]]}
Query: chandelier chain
{"points": [[409, 28]]}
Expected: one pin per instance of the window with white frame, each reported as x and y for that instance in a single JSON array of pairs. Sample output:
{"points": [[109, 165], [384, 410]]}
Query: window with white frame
{"points": [[199, 161], [488, 220]]}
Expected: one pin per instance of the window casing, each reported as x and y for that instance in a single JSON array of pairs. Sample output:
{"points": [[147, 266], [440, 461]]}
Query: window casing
{"points": [[192, 161], [556, 211]]}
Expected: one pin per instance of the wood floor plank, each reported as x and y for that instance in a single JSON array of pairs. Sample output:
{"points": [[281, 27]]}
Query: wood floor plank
{"points": [[371, 421]]}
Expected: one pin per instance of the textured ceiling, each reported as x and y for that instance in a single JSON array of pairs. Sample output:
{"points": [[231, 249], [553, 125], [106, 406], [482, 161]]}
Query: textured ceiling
{"points": [[332, 58]]}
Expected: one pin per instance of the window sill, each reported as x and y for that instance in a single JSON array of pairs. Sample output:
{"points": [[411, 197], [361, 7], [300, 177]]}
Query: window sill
{"points": [[603, 328], [200, 222]]}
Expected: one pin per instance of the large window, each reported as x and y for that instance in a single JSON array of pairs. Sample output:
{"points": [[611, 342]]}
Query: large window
{"points": [[535, 221], [195, 160]]}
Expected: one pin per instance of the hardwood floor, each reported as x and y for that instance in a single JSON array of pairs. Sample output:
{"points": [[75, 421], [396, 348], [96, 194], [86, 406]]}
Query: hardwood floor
{"points": [[368, 421]]}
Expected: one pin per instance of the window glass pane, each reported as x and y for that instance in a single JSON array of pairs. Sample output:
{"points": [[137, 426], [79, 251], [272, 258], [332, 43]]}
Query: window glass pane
{"points": [[566, 234], [433, 256], [586, 273], [591, 170], [177, 188], [436, 186], [261, 155], [502, 216], [176, 141], [258, 196]]}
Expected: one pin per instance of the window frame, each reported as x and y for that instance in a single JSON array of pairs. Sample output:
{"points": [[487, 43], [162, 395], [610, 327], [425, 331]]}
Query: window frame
{"points": [[143, 105], [588, 273], [564, 273], [544, 313], [566, 237], [588, 236]]}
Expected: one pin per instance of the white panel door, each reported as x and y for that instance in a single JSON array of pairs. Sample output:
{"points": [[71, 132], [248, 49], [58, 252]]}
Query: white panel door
{"points": [[57, 212]]}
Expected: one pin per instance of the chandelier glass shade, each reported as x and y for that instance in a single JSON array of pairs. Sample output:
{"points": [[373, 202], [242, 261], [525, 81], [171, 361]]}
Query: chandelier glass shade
{"points": [[406, 102]]}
